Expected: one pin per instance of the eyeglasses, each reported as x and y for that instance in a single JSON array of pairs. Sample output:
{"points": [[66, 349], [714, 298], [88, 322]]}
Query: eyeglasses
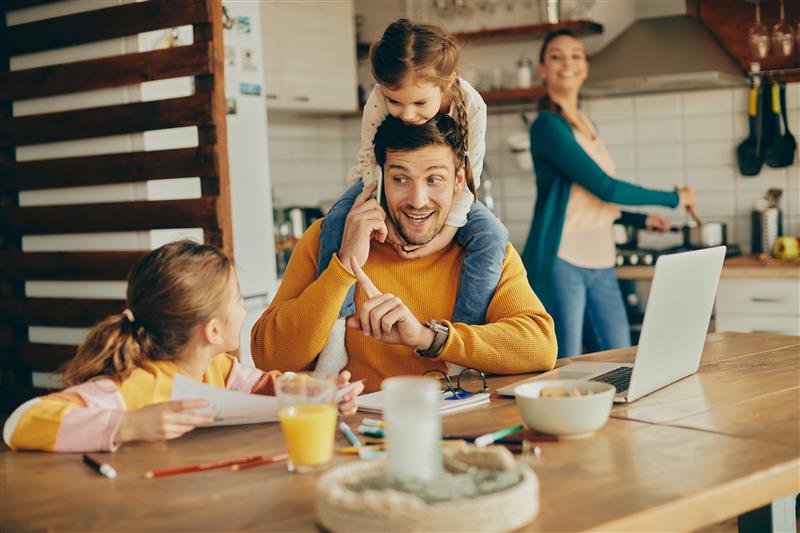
{"points": [[470, 381]]}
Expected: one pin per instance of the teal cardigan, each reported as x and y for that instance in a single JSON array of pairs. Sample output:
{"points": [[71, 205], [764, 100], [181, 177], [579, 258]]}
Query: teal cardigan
{"points": [[558, 161]]}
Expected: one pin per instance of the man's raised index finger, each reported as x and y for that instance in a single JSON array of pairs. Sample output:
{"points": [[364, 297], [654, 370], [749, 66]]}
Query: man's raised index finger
{"points": [[366, 284]]}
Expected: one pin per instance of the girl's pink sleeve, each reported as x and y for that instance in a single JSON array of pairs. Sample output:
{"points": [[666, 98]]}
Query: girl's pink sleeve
{"points": [[244, 378], [82, 418]]}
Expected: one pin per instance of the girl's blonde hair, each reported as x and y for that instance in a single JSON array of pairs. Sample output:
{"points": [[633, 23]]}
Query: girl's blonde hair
{"points": [[170, 291], [432, 55]]}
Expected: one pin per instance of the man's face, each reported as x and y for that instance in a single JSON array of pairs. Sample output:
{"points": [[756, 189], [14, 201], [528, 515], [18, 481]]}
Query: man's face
{"points": [[419, 186]]}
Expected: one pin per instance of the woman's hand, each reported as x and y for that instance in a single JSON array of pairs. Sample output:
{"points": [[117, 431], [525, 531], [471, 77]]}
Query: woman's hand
{"points": [[686, 197], [657, 222], [166, 420], [349, 402]]}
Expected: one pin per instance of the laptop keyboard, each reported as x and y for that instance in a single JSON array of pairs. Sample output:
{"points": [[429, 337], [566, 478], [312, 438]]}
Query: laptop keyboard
{"points": [[620, 377]]}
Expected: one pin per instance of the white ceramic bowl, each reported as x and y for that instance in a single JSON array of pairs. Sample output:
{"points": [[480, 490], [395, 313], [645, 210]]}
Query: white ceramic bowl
{"points": [[565, 416]]}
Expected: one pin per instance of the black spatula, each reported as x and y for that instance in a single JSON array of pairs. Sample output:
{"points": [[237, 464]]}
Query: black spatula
{"points": [[781, 153], [748, 153]]}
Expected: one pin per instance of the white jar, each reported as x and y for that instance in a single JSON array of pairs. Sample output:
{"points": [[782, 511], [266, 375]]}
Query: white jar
{"points": [[413, 427], [523, 73]]}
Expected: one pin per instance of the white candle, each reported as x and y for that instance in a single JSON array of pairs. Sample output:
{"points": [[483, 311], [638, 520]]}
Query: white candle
{"points": [[413, 427]]}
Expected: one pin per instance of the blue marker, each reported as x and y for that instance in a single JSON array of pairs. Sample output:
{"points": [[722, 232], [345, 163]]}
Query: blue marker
{"points": [[349, 435]]}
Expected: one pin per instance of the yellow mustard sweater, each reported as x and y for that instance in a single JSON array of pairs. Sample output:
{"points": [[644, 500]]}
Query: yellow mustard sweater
{"points": [[518, 336]]}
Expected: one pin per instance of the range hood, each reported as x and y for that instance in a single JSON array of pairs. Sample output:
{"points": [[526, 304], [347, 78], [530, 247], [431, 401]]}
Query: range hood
{"points": [[662, 54]]}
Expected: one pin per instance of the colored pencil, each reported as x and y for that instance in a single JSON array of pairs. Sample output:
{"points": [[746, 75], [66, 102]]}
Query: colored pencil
{"points": [[198, 468], [265, 461]]}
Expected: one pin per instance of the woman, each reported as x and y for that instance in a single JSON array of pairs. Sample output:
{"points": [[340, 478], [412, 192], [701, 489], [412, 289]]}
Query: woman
{"points": [[570, 251]]}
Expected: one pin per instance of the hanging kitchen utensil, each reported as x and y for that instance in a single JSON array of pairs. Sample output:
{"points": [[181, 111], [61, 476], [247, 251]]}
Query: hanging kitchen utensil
{"points": [[770, 118], [781, 153], [747, 153], [694, 215]]}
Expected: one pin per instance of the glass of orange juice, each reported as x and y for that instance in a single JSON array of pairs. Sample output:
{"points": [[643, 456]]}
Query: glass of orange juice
{"points": [[307, 411]]}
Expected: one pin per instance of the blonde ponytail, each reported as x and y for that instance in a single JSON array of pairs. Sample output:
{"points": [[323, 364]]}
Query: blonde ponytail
{"points": [[170, 291], [109, 349]]}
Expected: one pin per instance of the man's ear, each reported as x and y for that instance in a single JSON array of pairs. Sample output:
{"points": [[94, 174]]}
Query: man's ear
{"points": [[461, 180], [211, 332]]}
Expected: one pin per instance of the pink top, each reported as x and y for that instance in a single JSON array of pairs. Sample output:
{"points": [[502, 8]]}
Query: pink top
{"points": [[587, 240]]}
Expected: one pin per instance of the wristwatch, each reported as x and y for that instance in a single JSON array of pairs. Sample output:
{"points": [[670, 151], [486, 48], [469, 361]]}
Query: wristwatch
{"points": [[440, 334]]}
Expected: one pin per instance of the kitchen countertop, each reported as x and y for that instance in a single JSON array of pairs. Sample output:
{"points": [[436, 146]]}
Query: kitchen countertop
{"points": [[742, 266]]}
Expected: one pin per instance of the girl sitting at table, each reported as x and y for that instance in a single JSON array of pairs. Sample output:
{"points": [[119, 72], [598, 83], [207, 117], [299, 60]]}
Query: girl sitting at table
{"points": [[184, 311]]}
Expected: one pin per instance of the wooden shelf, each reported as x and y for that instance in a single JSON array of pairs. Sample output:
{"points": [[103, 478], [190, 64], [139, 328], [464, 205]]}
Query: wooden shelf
{"points": [[533, 31], [513, 96]]}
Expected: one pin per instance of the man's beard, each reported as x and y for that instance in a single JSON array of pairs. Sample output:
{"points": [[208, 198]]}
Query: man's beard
{"points": [[418, 239]]}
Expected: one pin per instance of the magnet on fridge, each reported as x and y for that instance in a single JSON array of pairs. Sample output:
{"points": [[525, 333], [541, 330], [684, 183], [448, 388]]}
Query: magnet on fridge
{"points": [[249, 59], [231, 105], [230, 56], [243, 24], [253, 89]]}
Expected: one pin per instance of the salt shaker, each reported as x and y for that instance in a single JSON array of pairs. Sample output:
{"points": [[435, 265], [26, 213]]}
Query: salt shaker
{"points": [[413, 427]]}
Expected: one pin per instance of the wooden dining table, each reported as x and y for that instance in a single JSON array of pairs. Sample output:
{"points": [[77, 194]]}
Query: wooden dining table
{"points": [[714, 445]]}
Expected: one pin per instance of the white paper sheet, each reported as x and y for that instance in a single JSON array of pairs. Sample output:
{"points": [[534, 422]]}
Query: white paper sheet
{"points": [[229, 408]]}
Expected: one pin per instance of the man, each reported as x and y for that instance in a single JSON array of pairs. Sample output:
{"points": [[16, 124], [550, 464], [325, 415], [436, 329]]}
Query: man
{"points": [[402, 305]]}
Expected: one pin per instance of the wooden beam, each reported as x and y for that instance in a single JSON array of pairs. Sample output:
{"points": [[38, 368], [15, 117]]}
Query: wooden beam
{"points": [[35, 357], [63, 312], [101, 24], [107, 72], [71, 265], [103, 121], [110, 168], [216, 135], [121, 216]]}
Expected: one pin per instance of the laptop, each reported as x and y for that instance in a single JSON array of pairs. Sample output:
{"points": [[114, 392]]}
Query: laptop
{"points": [[673, 332]]}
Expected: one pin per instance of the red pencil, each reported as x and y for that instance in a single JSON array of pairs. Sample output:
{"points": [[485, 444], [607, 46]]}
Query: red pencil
{"points": [[196, 468], [265, 461]]}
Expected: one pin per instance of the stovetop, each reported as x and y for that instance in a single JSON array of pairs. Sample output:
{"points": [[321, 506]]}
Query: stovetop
{"points": [[648, 256]]}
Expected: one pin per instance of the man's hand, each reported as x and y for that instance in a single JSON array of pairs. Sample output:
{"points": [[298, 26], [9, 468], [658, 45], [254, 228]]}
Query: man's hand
{"points": [[657, 222], [165, 420], [366, 221], [386, 317]]}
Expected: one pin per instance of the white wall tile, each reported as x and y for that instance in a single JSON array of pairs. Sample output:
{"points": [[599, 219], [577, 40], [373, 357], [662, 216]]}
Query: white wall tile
{"points": [[710, 153], [661, 179], [720, 178], [793, 95], [767, 178], [659, 130], [792, 226], [624, 157], [793, 174], [715, 204], [791, 203], [519, 209], [741, 100], [611, 108], [707, 102], [659, 155], [658, 105], [745, 200], [615, 132], [518, 233], [708, 128]]}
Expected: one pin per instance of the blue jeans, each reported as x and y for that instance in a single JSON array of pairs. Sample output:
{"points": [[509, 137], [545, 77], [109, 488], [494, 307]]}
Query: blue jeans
{"points": [[587, 309], [484, 237]]}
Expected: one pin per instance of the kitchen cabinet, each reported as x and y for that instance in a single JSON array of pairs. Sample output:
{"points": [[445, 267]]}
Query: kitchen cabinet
{"points": [[758, 305], [310, 55]]}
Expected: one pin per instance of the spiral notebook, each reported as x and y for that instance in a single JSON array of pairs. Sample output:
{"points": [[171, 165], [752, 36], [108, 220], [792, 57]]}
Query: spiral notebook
{"points": [[373, 402]]}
